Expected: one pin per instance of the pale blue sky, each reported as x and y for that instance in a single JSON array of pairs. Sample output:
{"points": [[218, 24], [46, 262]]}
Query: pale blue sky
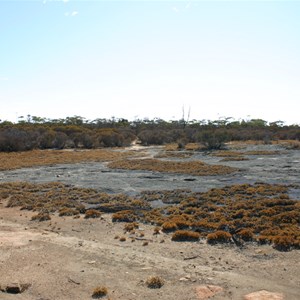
{"points": [[137, 59]]}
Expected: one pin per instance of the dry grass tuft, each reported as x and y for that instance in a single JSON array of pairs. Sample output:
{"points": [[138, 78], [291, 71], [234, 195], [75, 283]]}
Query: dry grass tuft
{"points": [[154, 282], [131, 226], [185, 235], [169, 226], [92, 213], [41, 216], [67, 211], [99, 292], [219, 237]]}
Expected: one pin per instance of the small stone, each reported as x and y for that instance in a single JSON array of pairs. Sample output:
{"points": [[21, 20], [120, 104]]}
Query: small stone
{"points": [[263, 295], [183, 279], [91, 262], [207, 291]]}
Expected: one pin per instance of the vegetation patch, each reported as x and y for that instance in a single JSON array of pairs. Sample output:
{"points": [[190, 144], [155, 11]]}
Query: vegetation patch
{"points": [[92, 213], [259, 213], [185, 235], [196, 168], [154, 282], [99, 292], [131, 226], [231, 158], [226, 153], [67, 211], [16, 160], [229, 155], [262, 152], [41, 216], [219, 237], [174, 154]]}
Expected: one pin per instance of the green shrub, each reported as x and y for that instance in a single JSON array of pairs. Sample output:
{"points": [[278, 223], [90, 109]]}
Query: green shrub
{"points": [[213, 140]]}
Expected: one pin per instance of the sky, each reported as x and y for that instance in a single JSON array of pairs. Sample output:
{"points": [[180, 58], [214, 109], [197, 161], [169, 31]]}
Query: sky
{"points": [[150, 59]]}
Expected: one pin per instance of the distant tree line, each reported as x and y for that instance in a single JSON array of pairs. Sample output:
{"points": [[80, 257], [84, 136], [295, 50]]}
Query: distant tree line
{"points": [[76, 132]]}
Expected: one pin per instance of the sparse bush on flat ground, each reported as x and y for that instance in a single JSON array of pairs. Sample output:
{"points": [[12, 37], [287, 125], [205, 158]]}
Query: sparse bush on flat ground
{"points": [[92, 213], [169, 226], [219, 237], [213, 140], [154, 282], [41, 216], [185, 235], [99, 292], [66, 211]]}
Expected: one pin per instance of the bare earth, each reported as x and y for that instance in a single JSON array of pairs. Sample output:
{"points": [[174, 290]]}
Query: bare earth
{"points": [[67, 258]]}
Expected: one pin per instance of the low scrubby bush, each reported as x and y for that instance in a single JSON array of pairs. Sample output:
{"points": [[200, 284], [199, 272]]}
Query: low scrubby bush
{"points": [[154, 282], [99, 292], [185, 235], [66, 211], [41, 216], [92, 213], [218, 237], [169, 226]]}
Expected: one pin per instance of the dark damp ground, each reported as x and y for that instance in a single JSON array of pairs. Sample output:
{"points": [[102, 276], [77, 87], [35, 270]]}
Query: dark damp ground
{"points": [[280, 168]]}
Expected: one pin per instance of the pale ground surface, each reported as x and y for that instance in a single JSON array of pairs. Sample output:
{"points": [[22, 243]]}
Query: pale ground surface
{"points": [[67, 258]]}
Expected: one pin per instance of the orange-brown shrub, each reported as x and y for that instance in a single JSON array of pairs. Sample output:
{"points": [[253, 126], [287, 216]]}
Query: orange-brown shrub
{"points": [[154, 282], [219, 237], [185, 235], [66, 211], [41, 216], [131, 226], [246, 234], [92, 213], [169, 226], [283, 243], [124, 216], [99, 292]]}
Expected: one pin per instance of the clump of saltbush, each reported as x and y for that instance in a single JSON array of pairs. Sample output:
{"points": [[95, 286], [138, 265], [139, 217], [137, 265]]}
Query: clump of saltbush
{"points": [[154, 282]]}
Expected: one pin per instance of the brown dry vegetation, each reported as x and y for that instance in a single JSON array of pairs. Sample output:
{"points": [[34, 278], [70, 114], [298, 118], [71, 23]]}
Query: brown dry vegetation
{"points": [[197, 168], [229, 155], [154, 282], [15, 160], [56, 197], [260, 213], [173, 154]]}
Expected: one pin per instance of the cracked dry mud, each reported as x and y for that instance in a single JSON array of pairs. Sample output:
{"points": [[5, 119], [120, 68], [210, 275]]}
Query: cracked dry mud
{"points": [[66, 258]]}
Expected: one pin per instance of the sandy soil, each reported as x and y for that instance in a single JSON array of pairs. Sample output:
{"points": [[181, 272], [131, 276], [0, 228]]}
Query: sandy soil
{"points": [[66, 258]]}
